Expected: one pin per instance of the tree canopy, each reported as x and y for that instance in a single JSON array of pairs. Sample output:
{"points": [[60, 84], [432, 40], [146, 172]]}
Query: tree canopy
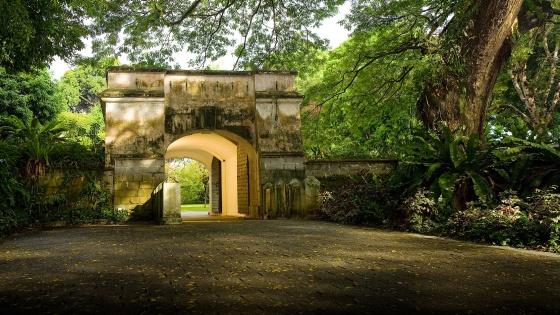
{"points": [[528, 94], [79, 88], [151, 32], [33, 32], [28, 95]]}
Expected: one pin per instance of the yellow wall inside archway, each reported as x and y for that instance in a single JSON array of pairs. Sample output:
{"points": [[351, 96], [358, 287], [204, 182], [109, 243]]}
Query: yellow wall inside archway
{"points": [[203, 147]]}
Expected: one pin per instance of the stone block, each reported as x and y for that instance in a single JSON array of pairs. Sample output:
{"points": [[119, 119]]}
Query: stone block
{"points": [[145, 193], [137, 200], [148, 163], [120, 193], [312, 191], [159, 177], [147, 185]]}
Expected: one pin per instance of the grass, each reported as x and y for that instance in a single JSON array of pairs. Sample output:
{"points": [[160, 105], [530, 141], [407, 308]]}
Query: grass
{"points": [[194, 208]]}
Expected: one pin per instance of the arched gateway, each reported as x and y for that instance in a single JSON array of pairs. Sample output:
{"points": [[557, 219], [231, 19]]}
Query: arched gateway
{"points": [[244, 126]]}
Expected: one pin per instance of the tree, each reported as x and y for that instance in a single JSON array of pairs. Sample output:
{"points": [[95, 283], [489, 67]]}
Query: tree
{"points": [[28, 95], [150, 32], [465, 41], [79, 88], [533, 71], [33, 32], [373, 114], [193, 177]]}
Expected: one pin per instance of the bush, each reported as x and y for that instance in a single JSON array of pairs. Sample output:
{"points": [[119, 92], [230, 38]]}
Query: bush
{"points": [[420, 212], [364, 200], [12, 190], [533, 223], [545, 211]]}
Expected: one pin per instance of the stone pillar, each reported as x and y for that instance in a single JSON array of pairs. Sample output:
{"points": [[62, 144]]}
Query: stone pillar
{"points": [[171, 204], [216, 196], [133, 106], [295, 195], [312, 190], [280, 144]]}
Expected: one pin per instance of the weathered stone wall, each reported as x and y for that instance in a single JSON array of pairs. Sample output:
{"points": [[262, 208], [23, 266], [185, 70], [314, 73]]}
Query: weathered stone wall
{"points": [[71, 184], [134, 181], [325, 169], [209, 101]]}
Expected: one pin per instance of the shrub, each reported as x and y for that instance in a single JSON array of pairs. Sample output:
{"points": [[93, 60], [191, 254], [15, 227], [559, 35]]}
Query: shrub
{"points": [[420, 211], [456, 169], [364, 200], [534, 222], [12, 190], [545, 211]]}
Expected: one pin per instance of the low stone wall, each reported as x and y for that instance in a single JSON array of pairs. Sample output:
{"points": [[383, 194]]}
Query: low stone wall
{"points": [[299, 198], [70, 184], [290, 199], [326, 169], [134, 181]]}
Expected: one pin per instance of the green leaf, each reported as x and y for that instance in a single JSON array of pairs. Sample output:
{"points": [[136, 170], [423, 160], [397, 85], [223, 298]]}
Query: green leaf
{"points": [[447, 183], [481, 187]]}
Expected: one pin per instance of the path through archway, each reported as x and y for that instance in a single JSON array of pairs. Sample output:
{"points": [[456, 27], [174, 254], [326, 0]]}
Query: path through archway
{"points": [[229, 168]]}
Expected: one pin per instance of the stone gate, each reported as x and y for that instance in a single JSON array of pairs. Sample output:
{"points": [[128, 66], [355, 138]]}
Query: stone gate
{"points": [[244, 126]]}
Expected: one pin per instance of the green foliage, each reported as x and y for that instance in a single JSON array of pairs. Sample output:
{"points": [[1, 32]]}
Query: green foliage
{"points": [[526, 96], [365, 200], [79, 88], [454, 167], [28, 95], [193, 177], [27, 150], [33, 32], [420, 212], [36, 141], [85, 129], [150, 33], [530, 165], [12, 190], [531, 222], [360, 103]]}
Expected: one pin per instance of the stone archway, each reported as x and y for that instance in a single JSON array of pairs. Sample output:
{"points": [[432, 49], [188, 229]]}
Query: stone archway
{"points": [[148, 110], [231, 162]]}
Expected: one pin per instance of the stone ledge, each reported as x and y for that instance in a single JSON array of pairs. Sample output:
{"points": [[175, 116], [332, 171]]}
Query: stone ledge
{"points": [[114, 93], [277, 95]]}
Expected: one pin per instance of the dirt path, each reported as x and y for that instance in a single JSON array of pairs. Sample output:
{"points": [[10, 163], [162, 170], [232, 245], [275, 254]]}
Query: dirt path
{"points": [[273, 267]]}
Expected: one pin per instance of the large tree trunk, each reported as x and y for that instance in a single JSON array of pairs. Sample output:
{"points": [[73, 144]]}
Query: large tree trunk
{"points": [[461, 98]]}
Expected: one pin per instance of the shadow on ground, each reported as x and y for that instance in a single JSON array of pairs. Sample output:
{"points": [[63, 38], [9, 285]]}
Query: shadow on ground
{"points": [[275, 267]]}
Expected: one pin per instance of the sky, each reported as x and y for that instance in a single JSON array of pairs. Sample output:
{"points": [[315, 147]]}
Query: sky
{"points": [[330, 29]]}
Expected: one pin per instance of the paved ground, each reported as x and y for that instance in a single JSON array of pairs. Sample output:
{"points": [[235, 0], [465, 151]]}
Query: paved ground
{"points": [[273, 267]]}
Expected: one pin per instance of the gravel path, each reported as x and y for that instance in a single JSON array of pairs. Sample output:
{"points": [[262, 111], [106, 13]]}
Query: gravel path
{"points": [[273, 267]]}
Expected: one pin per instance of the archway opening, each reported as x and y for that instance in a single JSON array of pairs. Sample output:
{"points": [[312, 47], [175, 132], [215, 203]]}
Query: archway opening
{"points": [[193, 177], [232, 170]]}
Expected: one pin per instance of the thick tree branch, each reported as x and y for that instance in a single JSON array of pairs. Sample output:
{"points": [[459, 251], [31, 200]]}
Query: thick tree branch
{"points": [[188, 12]]}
